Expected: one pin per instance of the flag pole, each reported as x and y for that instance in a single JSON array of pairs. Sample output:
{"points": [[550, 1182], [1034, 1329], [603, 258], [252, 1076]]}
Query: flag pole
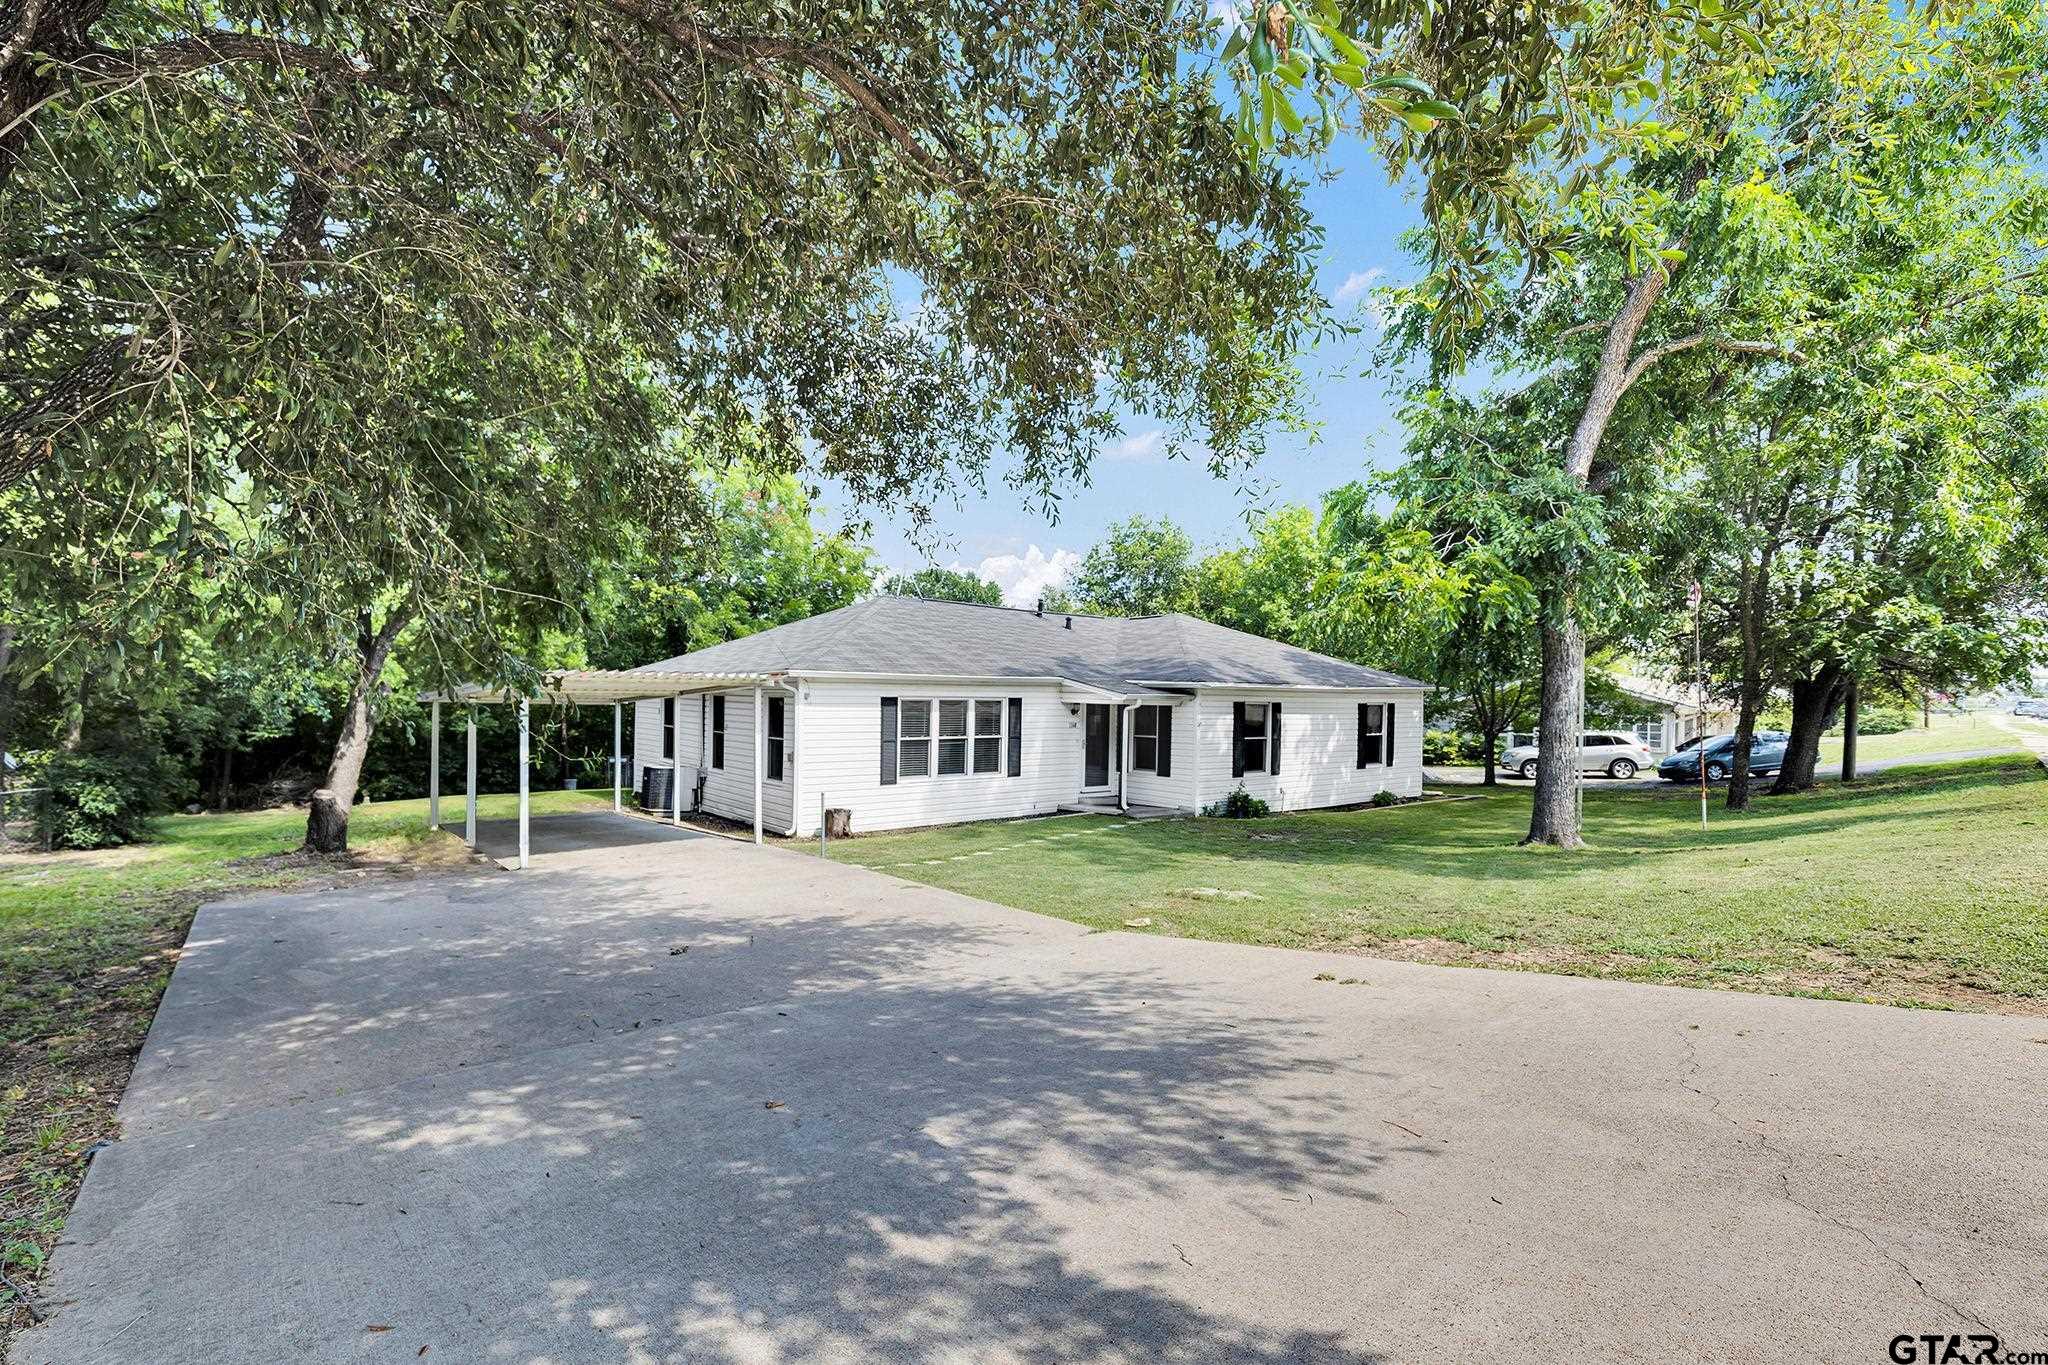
{"points": [[1699, 700]]}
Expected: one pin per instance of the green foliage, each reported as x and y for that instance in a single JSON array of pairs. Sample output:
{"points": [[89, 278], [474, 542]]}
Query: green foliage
{"points": [[1450, 748], [945, 585], [1383, 799], [104, 795], [1239, 805], [1141, 568]]}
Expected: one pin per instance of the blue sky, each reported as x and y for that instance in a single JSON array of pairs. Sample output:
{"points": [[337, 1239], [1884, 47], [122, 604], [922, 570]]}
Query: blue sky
{"points": [[1362, 218]]}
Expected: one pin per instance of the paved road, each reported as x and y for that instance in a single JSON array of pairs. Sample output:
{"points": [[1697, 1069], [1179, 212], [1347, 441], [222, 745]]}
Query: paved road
{"points": [[1469, 777], [508, 1119]]}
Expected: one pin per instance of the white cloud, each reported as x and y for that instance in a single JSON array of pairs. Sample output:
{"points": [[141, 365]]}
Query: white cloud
{"points": [[1356, 284], [1024, 578], [1146, 446]]}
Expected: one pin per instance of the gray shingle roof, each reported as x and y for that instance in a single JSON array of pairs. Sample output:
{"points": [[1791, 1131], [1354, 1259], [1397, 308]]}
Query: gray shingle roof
{"points": [[911, 636]]}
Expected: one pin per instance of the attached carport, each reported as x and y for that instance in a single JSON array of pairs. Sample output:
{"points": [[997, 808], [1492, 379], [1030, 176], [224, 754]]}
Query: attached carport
{"points": [[581, 687]]}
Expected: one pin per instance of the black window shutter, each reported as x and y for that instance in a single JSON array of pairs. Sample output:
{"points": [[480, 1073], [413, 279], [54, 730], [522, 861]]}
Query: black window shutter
{"points": [[1387, 738], [888, 741], [1273, 739], [1362, 715], [668, 727], [1016, 736], [775, 733], [1165, 768], [718, 732], [1237, 739]]}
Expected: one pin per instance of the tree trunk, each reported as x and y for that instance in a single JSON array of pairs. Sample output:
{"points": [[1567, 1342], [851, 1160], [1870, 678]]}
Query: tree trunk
{"points": [[1850, 719], [6, 695], [1555, 816], [1491, 740], [74, 718], [1815, 702], [227, 775], [1750, 690], [327, 816]]}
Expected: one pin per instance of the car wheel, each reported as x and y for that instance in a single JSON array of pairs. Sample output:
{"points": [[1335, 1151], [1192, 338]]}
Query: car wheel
{"points": [[1717, 771], [1529, 770], [1621, 768]]}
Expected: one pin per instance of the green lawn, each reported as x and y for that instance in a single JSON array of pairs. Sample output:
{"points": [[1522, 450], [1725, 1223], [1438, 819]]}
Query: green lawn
{"points": [[1925, 885], [87, 943], [1947, 735]]}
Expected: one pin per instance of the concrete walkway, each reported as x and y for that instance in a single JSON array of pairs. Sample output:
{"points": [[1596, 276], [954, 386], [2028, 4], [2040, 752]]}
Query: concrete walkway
{"points": [[688, 1100]]}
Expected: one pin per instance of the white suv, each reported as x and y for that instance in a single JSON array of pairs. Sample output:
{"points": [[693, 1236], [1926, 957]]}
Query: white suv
{"points": [[1600, 751]]}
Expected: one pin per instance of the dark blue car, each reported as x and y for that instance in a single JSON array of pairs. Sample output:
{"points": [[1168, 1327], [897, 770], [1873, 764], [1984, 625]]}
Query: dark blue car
{"points": [[1766, 756]]}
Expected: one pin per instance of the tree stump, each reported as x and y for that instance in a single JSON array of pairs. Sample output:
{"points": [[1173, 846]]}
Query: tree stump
{"points": [[838, 822], [327, 824]]}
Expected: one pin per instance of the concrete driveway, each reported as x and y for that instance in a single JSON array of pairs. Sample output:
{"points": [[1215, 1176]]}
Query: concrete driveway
{"points": [[674, 1098]]}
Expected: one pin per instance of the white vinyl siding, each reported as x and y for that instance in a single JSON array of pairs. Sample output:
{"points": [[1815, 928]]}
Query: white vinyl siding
{"points": [[1177, 791], [839, 734], [1318, 748], [728, 791]]}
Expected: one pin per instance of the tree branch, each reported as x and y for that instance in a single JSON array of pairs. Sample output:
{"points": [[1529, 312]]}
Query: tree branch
{"points": [[1642, 363]]}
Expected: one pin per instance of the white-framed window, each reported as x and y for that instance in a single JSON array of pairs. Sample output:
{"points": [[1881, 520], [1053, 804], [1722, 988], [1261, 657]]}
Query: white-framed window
{"points": [[1254, 743], [952, 737], [1145, 739], [914, 755], [988, 735]]}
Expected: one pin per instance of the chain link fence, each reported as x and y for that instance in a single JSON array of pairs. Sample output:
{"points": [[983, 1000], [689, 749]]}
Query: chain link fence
{"points": [[22, 825]]}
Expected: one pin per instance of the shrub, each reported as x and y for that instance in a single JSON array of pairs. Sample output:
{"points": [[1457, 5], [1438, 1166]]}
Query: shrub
{"points": [[104, 796], [1883, 721], [1385, 798], [1449, 747], [1239, 805]]}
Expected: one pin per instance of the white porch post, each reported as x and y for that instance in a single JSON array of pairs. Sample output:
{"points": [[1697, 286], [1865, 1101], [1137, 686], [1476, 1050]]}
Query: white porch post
{"points": [[1123, 775], [469, 800], [618, 759], [523, 754], [1195, 720], [675, 769], [760, 757], [789, 752], [434, 767]]}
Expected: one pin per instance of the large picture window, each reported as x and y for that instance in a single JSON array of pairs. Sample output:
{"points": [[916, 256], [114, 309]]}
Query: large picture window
{"points": [[1152, 740], [951, 737]]}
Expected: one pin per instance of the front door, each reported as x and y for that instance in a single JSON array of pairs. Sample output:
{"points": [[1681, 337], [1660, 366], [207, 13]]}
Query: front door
{"points": [[1095, 747]]}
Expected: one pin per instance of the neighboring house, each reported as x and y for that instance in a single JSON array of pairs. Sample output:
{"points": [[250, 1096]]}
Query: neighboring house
{"points": [[911, 712], [1671, 713], [1668, 715]]}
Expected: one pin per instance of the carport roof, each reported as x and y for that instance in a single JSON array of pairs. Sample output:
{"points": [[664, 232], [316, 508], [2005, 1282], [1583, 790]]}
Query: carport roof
{"points": [[599, 686]]}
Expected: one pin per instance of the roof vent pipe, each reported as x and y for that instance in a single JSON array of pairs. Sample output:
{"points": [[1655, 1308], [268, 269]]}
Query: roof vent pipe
{"points": [[1070, 623], [1041, 606]]}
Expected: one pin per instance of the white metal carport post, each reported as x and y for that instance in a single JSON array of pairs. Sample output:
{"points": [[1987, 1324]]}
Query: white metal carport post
{"points": [[760, 757], [523, 728], [618, 760], [675, 764], [469, 800], [434, 767]]}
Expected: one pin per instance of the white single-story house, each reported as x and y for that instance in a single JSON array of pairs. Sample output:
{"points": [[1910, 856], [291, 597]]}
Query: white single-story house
{"points": [[907, 712], [910, 712]]}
